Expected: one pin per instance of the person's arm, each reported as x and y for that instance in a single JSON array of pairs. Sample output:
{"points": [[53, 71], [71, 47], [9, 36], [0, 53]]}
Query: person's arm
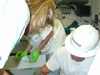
{"points": [[3, 72], [51, 65], [28, 47], [44, 42], [34, 55]]}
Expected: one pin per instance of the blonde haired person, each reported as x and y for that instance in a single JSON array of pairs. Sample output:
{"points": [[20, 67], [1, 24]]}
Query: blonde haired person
{"points": [[45, 32]]}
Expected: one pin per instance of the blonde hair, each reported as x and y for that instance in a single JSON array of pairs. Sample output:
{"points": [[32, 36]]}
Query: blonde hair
{"points": [[41, 11]]}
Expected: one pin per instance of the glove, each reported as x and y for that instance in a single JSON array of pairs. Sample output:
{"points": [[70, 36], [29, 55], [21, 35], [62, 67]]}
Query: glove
{"points": [[20, 54], [34, 55]]}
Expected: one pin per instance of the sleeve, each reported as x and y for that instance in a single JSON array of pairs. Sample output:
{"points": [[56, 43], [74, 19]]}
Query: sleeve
{"points": [[1, 63], [95, 68], [35, 40], [53, 63], [44, 32]]}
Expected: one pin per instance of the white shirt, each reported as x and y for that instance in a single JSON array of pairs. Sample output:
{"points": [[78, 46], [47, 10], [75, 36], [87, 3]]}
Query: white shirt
{"points": [[14, 17], [95, 68], [62, 59], [56, 41]]}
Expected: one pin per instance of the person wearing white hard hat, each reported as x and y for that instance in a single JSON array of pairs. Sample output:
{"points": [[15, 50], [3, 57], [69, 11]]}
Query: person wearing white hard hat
{"points": [[76, 57], [14, 18]]}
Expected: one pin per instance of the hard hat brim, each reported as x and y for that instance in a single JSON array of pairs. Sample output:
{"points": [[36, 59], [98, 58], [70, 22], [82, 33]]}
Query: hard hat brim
{"points": [[77, 52]]}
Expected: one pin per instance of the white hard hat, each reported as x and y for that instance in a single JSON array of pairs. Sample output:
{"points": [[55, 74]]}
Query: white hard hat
{"points": [[83, 42]]}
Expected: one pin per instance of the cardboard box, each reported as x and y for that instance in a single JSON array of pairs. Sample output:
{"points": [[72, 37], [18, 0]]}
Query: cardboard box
{"points": [[20, 67]]}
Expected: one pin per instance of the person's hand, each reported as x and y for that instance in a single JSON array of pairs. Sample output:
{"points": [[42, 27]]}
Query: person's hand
{"points": [[37, 72], [20, 54], [34, 55]]}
